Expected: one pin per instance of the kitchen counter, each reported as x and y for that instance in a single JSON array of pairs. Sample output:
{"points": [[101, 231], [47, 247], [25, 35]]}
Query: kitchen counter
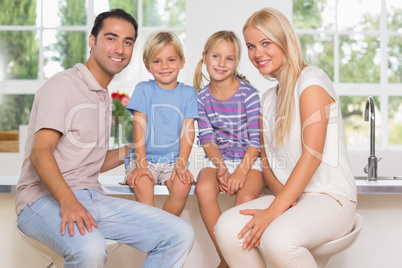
{"points": [[111, 186]]}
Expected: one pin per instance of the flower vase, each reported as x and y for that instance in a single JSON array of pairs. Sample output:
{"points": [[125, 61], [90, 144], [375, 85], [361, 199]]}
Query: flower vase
{"points": [[119, 114], [119, 135]]}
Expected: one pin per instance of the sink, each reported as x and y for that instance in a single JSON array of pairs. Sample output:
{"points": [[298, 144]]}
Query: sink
{"points": [[380, 178]]}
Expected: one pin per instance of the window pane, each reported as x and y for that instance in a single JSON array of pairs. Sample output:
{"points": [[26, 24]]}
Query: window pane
{"points": [[358, 15], [394, 10], [14, 111], [18, 12], [395, 59], [319, 51], [19, 55], [359, 59], [164, 13], [63, 49], [312, 14], [130, 6], [357, 131], [64, 12], [395, 120]]}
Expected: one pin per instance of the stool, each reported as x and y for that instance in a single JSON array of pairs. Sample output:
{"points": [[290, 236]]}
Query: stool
{"points": [[325, 253], [53, 257]]}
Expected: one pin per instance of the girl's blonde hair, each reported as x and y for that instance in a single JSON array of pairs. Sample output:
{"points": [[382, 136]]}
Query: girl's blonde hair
{"points": [[156, 42], [210, 45], [277, 27]]}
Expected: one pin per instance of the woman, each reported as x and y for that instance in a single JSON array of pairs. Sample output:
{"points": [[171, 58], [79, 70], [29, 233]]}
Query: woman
{"points": [[314, 192]]}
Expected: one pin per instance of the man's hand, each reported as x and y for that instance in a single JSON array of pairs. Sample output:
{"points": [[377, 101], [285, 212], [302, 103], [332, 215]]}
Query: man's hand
{"points": [[75, 212]]}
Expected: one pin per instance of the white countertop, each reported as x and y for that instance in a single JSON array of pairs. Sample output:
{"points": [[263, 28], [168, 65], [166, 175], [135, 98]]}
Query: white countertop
{"points": [[111, 186]]}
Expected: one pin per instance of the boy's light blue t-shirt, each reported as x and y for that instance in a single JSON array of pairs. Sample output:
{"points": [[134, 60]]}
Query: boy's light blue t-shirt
{"points": [[165, 110]]}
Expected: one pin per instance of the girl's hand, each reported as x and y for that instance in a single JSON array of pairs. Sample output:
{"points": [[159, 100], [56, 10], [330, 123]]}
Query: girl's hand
{"points": [[256, 227], [235, 182], [222, 174], [136, 174], [183, 174]]}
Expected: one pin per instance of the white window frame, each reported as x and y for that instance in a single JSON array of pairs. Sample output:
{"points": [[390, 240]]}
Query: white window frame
{"points": [[384, 90], [21, 86]]}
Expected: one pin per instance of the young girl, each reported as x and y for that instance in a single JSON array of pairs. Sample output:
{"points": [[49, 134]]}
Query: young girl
{"points": [[302, 124], [163, 116], [228, 126]]}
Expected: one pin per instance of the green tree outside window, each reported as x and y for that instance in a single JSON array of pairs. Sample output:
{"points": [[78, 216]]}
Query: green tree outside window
{"points": [[359, 59], [19, 59]]}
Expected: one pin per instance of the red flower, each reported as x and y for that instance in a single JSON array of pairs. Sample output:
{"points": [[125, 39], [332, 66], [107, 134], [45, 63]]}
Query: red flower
{"points": [[119, 101], [122, 95], [115, 96]]}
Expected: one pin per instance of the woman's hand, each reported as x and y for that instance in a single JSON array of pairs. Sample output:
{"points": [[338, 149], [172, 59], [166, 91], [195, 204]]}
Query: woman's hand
{"points": [[136, 174], [260, 221], [256, 227]]}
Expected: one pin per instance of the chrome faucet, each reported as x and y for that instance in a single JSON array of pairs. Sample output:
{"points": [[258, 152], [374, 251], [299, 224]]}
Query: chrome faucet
{"points": [[369, 114]]}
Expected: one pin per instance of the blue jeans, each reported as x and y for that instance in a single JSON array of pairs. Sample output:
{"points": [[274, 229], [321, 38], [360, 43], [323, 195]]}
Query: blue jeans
{"points": [[166, 238]]}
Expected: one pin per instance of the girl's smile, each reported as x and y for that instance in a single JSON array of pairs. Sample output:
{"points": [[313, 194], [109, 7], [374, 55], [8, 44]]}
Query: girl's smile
{"points": [[221, 62]]}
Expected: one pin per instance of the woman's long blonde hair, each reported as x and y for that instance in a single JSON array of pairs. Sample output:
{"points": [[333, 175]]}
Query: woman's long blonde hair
{"points": [[210, 45], [276, 27]]}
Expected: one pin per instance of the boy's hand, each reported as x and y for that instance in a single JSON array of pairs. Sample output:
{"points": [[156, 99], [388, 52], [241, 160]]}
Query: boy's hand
{"points": [[136, 174], [183, 174]]}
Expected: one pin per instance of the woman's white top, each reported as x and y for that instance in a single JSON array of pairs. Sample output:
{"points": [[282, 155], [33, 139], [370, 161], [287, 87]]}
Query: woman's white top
{"points": [[334, 174]]}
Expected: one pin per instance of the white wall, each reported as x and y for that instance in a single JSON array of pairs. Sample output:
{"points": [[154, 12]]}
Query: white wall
{"points": [[209, 16], [381, 237]]}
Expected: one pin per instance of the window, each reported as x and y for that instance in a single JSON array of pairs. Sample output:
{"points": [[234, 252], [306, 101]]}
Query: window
{"points": [[358, 44], [39, 38]]}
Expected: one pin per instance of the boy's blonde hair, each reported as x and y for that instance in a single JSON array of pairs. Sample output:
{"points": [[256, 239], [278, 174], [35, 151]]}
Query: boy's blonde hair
{"points": [[156, 42], [210, 45], [277, 27]]}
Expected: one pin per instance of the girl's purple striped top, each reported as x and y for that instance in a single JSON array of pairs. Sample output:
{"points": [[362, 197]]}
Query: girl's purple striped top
{"points": [[233, 124]]}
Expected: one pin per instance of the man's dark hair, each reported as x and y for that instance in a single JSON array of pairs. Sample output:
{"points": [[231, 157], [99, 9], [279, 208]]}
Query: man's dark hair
{"points": [[114, 13]]}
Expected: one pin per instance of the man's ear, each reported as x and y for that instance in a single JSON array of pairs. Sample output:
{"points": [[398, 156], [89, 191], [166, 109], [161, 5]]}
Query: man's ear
{"points": [[91, 41]]}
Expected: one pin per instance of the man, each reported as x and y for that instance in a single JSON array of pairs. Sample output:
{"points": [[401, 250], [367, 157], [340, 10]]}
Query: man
{"points": [[67, 148]]}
